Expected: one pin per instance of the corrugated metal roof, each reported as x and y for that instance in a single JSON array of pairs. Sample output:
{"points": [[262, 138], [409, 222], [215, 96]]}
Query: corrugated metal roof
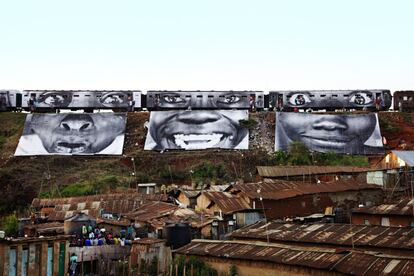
{"points": [[152, 210], [331, 233], [281, 189], [348, 262], [285, 171], [191, 193], [404, 207], [38, 203], [227, 202], [119, 203], [406, 155]]}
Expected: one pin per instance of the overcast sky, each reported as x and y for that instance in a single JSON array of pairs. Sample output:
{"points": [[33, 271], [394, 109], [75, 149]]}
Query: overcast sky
{"points": [[209, 44]]}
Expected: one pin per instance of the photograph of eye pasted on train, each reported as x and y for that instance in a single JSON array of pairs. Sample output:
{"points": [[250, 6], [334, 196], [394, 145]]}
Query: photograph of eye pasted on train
{"points": [[330, 99], [72, 133], [197, 129], [347, 134], [162, 100]]}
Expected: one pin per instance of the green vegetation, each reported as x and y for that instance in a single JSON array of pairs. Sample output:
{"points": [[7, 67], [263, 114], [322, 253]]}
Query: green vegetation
{"points": [[99, 185], [299, 155], [249, 124], [11, 126], [10, 224], [233, 270], [388, 126], [407, 118], [193, 266], [208, 172]]}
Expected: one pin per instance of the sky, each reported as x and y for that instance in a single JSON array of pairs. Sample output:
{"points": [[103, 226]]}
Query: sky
{"points": [[212, 45]]}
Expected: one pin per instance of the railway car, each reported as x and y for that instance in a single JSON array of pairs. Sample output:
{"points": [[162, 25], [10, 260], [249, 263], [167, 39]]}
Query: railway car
{"points": [[166, 100], [8, 99], [404, 101], [47, 100], [329, 99]]}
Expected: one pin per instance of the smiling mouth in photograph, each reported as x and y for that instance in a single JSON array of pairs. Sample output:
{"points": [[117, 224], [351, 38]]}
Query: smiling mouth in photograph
{"points": [[200, 141]]}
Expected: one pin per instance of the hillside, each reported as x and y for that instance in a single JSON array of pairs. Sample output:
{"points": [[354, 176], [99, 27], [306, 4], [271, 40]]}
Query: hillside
{"points": [[23, 178]]}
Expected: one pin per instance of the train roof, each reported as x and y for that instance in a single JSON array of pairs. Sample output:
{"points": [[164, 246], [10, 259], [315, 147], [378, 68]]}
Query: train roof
{"points": [[203, 91], [339, 90], [79, 90]]}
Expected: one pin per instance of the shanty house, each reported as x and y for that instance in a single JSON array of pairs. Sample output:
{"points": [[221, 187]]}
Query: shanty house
{"points": [[188, 197], [232, 211], [287, 199], [263, 258], [314, 174], [398, 214]]}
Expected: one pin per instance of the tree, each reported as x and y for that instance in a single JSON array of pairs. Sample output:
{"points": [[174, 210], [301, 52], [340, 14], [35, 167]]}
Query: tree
{"points": [[11, 225]]}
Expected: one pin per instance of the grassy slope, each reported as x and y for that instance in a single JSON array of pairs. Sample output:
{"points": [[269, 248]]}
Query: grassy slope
{"points": [[22, 177]]}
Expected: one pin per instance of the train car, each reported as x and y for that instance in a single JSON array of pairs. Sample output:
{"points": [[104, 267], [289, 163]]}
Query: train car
{"points": [[329, 99], [88, 100], [404, 101], [9, 99], [167, 100]]}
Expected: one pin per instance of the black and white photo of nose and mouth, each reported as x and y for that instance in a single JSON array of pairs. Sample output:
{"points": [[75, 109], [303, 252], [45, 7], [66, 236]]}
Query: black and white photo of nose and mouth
{"points": [[197, 129], [340, 133], [72, 133]]}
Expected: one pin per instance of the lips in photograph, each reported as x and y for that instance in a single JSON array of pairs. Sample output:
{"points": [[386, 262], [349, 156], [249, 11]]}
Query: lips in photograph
{"points": [[197, 129], [353, 134]]}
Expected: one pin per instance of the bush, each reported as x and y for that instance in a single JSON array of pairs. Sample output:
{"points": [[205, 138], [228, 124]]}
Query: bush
{"points": [[299, 155], [387, 126], [249, 124], [233, 270], [11, 225], [208, 172], [194, 265]]}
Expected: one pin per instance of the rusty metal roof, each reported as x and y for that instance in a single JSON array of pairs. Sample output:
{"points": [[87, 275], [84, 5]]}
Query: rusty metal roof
{"points": [[147, 241], [281, 189], [404, 207], [347, 262], [191, 193], [330, 233], [38, 203], [227, 202], [46, 228], [286, 171], [119, 203], [152, 210]]}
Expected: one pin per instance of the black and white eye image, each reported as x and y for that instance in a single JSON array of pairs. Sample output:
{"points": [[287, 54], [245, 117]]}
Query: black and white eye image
{"points": [[361, 98], [298, 99]]}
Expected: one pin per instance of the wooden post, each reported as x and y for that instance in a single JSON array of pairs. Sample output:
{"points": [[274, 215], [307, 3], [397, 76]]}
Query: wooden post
{"points": [[176, 270], [192, 270], [184, 270]]}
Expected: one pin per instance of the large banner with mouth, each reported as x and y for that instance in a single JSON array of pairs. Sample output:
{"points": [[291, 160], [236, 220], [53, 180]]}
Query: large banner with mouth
{"points": [[197, 129], [347, 134], [72, 134]]}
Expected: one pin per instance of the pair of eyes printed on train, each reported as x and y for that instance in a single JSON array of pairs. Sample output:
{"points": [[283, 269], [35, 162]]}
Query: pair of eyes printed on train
{"points": [[64, 99], [182, 100], [358, 98]]}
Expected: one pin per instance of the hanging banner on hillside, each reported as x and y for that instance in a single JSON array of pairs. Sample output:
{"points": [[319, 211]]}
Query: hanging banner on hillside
{"points": [[347, 134], [72, 134], [197, 129]]}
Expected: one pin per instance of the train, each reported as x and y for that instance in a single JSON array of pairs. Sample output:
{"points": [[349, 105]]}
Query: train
{"points": [[404, 101], [135, 100]]}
